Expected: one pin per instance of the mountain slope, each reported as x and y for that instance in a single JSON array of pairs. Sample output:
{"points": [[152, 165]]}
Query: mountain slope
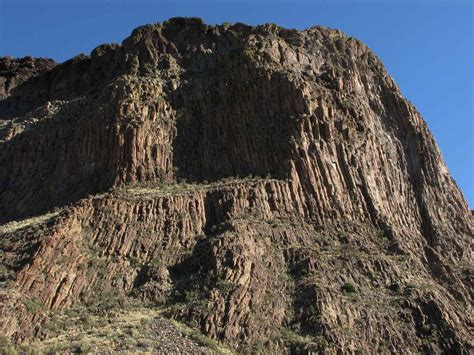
{"points": [[270, 187]]}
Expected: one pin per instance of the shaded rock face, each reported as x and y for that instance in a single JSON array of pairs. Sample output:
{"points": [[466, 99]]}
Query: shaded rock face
{"points": [[14, 72], [351, 234]]}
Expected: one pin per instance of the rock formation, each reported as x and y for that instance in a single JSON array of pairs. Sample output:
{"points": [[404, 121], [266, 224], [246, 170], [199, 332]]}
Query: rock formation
{"points": [[270, 187]]}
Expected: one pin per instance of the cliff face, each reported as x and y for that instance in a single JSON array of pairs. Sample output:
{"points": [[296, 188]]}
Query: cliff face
{"points": [[14, 72], [349, 235]]}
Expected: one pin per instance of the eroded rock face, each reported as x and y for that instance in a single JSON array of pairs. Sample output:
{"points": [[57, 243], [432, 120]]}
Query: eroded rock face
{"points": [[14, 72], [350, 192]]}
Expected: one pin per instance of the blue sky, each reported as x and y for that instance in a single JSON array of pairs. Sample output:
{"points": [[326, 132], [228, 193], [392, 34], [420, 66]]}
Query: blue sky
{"points": [[426, 45]]}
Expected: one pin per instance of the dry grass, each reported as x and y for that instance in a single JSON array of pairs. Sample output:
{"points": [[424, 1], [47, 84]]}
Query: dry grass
{"points": [[16, 225], [201, 339], [122, 331], [163, 189], [118, 333]]}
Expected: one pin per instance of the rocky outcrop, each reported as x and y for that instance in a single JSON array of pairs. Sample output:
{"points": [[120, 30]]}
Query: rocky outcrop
{"points": [[349, 235], [14, 72]]}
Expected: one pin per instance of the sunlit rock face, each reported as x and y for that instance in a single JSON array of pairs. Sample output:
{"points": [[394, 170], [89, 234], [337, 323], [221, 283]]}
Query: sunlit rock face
{"points": [[270, 187]]}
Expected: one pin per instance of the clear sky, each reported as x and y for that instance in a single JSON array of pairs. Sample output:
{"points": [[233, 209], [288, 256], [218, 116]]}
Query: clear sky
{"points": [[426, 45]]}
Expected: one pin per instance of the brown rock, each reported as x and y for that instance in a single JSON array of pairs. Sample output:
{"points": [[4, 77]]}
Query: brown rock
{"points": [[350, 192]]}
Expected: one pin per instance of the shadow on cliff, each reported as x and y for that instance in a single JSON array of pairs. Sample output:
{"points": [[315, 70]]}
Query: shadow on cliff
{"points": [[219, 136]]}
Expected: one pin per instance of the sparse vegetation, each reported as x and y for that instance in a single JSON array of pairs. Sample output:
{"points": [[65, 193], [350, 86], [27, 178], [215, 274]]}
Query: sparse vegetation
{"points": [[349, 288], [199, 337], [80, 332], [163, 187], [312, 311], [362, 195], [300, 344], [16, 225], [33, 305]]}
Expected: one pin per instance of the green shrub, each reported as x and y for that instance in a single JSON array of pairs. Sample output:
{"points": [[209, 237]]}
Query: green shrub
{"points": [[155, 263], [322, 343], [33, 306], [8, 350], [6, 347], [312, 310], [203, 340], [259, 347], [349, 288], [197, 336], [4, 341], [426, 329]]}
